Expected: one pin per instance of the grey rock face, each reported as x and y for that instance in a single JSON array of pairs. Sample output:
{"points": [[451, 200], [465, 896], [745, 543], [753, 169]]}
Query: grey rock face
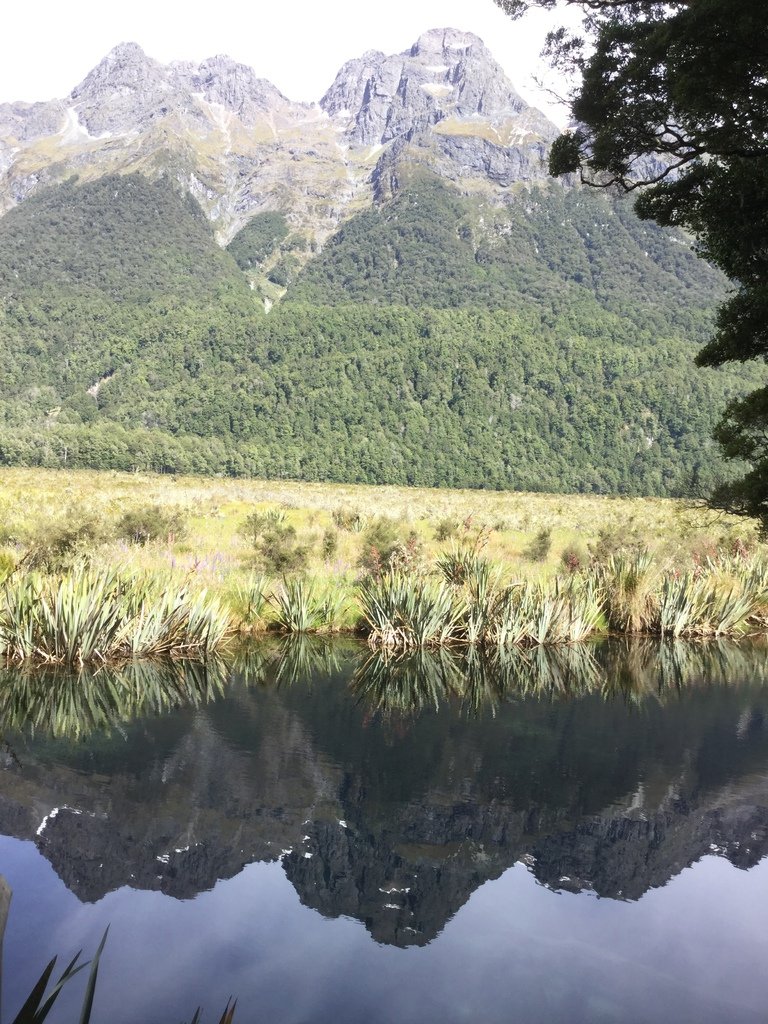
{"points": [[23, 121], [445, 74], [240, 146], [127, 90], [234, 86]]}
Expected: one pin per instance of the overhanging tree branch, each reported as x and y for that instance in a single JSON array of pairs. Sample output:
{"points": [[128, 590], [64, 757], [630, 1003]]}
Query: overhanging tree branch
{"points": [[672, 104]]}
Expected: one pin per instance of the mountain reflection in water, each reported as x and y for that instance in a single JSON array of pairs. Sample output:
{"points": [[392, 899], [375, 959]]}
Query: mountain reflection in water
{"points": [[391, 788]]}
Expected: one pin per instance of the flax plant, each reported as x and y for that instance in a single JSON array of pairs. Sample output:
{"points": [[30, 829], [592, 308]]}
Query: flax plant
{"points": [[95, 616], [247, 598], [630, 585], [296, 606], [400, 612]]}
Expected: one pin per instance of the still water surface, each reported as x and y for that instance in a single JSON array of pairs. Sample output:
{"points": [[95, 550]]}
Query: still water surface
{"points": [[331, 837]]}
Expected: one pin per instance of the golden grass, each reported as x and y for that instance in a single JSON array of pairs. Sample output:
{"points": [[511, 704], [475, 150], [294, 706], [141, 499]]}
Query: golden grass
{"points": [[217, 507], [214, 553]]}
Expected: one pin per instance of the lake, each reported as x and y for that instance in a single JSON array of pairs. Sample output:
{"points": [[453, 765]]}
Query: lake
{"points": [[332, 836]]}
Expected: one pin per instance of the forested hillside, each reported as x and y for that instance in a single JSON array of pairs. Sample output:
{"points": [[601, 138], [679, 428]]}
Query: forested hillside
{"points": [[546, 343]]}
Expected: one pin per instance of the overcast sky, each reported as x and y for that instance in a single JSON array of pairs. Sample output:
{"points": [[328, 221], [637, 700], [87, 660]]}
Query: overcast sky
{"points": [[46, 48]]}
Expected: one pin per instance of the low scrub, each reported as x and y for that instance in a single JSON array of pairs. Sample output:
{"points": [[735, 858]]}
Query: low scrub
{"points": [[58, 540]]}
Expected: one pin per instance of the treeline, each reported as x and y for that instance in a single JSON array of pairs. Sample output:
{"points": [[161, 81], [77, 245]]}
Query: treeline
{"points": [[465, 398], [436, 341]]}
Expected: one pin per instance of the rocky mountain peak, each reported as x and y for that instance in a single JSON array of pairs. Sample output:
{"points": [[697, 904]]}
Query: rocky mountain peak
{"points": [[239, 146], [126, 66], [123, 92], [125, 53], [445, 74], [234, 86], [446, 42]]}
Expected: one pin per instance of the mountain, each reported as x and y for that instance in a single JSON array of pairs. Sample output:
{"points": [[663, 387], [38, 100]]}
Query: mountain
{"points": [[239, 146], [446, 315]]}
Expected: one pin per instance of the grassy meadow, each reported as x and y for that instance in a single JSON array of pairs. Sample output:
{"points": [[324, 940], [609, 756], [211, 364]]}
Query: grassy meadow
{"points": [[35, 504], [212, 558]]}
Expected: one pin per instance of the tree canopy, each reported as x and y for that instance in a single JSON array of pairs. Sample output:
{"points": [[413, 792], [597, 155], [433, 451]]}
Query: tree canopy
{"points": [[551, 351], [672, 101]]}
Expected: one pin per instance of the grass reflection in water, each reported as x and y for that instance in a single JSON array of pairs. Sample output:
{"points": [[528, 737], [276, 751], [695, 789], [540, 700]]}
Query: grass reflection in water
{"points": [[68, 704], [64, 704], [634, 671]]}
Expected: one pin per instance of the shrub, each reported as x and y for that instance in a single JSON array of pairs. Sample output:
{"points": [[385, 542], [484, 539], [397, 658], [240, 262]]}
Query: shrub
{"points": [[150, 522], [380, 543], [445, 529], [616, 541], [540, 546], [257, 523], [330, 543], [349, 519], [408, 555], [57, 542], [7, 565], [574, 558], [279, 553]]}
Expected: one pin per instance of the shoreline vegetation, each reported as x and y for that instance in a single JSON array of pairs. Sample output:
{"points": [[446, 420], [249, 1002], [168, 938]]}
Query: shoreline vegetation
{"points": [[99, 568], [60, 702]]}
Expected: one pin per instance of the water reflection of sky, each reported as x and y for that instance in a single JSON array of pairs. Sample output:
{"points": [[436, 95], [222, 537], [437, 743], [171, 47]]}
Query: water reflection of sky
{"points": [[692, 951], [603, 779]]}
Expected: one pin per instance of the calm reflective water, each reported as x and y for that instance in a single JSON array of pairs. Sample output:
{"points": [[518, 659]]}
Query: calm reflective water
{"points": [[331, 836]]}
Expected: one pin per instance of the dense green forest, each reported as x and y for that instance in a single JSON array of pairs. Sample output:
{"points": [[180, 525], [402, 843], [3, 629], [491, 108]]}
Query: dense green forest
{"points": [[542, 344]]}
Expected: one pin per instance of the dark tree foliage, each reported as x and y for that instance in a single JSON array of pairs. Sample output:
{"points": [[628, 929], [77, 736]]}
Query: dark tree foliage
{"points": [[122, 238], [674, 97], [258, 239], [436, 341]]}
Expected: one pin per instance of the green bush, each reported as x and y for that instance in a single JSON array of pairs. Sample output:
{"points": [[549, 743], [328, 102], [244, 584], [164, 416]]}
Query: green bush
{"points": [[8, 563], [279, 553], [445, 529], [380, 543], [614, 542], [348, 519], [330, 543], [574, 558], [257, 523], [56, 542], [150, 522], [540, 546]]}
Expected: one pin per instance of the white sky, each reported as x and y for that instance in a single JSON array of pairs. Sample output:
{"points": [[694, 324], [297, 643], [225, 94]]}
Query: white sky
{"points": [[46, 48]]}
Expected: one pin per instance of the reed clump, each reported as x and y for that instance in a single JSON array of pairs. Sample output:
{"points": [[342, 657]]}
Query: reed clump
{"points": [[98, 616], [303, 605], [401, 612], [473, 603]]}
